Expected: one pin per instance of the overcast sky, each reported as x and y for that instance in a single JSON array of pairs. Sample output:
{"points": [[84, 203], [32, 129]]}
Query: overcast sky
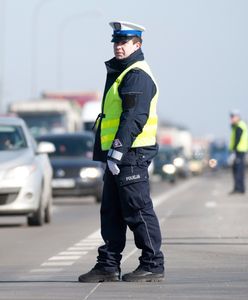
{"points": [[197, 49]]}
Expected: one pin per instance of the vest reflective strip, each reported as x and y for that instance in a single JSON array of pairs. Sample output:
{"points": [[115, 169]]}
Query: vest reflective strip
{"points": [[113, 110], [110, 123]]}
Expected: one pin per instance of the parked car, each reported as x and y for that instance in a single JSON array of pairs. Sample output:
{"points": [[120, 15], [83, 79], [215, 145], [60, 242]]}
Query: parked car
{"points": [[74, 172], [163, 163], [25, 173]]}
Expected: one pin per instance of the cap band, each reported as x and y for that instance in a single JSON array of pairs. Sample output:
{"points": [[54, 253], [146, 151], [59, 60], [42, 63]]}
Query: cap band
{"points": [[127, 33]]}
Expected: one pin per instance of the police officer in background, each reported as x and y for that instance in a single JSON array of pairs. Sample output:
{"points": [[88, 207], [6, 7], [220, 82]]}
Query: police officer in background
{"points": [[238, 146], [126, 141]]}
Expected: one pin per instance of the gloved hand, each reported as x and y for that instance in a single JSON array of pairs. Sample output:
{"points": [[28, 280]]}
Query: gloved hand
{"points": [[231, 158], [113, 167]]}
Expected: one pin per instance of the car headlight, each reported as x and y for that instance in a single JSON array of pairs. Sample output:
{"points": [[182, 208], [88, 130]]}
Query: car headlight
{"points": [[90, 173], [195, 166], [169, 169], [20, 173], [178, 162], [213, 163]]}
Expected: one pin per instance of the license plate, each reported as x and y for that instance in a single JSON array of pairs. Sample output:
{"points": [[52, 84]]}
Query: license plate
{"points": [[63, 183]]}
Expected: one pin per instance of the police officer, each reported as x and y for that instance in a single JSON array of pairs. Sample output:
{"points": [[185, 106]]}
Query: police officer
{"points": [[238, 146], [126, 140]]}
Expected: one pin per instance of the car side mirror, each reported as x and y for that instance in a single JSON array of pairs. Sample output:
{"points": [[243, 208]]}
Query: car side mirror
{"points": [[45, 147]]}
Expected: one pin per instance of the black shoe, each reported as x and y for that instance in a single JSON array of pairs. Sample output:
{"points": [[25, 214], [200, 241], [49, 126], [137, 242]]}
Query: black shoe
{"points": [[97, 275], [140, 275]]}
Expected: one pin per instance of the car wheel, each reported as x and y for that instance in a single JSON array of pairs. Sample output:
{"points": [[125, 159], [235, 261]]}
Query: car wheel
{"points": [[48, 209], [48, 212], [37, 217]]}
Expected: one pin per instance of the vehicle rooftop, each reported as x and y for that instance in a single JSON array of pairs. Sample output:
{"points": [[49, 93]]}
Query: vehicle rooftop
{"points": [[66, 135], [6, 120]]}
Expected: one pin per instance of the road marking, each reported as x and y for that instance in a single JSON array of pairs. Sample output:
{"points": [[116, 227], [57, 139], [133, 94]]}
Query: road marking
{"points": [[96, 235], [92, 241], [65, 257], [82, 246], [210, 204], [157, 201], [68, 257], [77, 249], [73, 253], [92, 291], [46, 270], [57, 263]]}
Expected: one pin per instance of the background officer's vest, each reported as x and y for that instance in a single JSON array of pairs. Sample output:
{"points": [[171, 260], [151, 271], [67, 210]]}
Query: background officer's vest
{"points": [[243, 143], [113, 108]]}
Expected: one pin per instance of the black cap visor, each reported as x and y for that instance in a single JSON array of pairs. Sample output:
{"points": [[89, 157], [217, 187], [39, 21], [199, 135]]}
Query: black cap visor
{"points": [[121, 38]]}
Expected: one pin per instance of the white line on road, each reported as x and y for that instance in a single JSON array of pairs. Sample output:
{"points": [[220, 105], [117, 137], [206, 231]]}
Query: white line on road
{"points": [[157, 201], [210, 204], [46, 270], [93, 240], [73, 253], [65, 257], [76, 249], [90, 242], [85, 247], [167, 195], [57, 263]]}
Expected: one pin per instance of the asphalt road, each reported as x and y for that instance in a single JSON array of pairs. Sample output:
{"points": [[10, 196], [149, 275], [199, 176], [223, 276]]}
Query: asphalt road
{"points": [[205, 241]]}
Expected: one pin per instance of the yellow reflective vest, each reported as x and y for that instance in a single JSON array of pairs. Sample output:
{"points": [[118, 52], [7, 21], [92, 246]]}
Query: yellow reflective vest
{"points": [[112, 110], [243, 143]]}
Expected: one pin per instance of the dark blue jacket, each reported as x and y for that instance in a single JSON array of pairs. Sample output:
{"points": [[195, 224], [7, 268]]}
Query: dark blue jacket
{"points": [[136, 91]]}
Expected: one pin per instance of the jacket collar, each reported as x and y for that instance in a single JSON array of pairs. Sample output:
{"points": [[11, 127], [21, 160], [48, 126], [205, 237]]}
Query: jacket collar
{"points": [[119, 65]]}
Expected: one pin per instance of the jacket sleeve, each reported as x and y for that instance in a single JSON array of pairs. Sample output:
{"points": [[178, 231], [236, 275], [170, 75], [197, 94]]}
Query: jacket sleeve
{"points": [[238, 133], [136, 91]]}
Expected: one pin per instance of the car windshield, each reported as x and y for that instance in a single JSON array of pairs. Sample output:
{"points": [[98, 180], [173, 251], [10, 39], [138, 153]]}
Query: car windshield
{"points": [[164, 156], [218, 148], [70, 146], [43, 123], [11, 138]]}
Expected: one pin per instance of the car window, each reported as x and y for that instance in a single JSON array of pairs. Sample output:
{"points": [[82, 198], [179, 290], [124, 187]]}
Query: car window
{"points": [[12, 138], [43, 123], [164, 156], [74, 146]]}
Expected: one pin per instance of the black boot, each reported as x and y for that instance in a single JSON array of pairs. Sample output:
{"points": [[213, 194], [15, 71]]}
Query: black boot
{"points": [[98, 275], [140, 275]]}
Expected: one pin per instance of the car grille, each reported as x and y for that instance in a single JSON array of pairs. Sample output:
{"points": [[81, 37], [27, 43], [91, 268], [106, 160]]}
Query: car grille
{"points": [[7, 198], [66, 173]]}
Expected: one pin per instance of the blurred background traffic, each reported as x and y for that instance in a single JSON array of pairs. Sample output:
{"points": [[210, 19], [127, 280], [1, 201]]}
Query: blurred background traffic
{"points": [[52, 75]]}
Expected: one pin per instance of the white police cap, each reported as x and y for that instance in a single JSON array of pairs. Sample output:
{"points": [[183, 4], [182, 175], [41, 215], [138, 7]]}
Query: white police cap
{"points": [[125, 30], [235, 112]]}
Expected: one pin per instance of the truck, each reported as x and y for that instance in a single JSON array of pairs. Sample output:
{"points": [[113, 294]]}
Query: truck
{"points": [[89, 101], [89, 114], [80, 97], [44, 116]]}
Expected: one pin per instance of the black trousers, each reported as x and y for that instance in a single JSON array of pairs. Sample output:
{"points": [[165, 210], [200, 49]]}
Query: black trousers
{"points": [[126, 202], [239, 172]]}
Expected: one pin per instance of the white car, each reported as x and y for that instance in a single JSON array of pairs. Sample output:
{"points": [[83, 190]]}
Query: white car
{"points": [[25, 173]]}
